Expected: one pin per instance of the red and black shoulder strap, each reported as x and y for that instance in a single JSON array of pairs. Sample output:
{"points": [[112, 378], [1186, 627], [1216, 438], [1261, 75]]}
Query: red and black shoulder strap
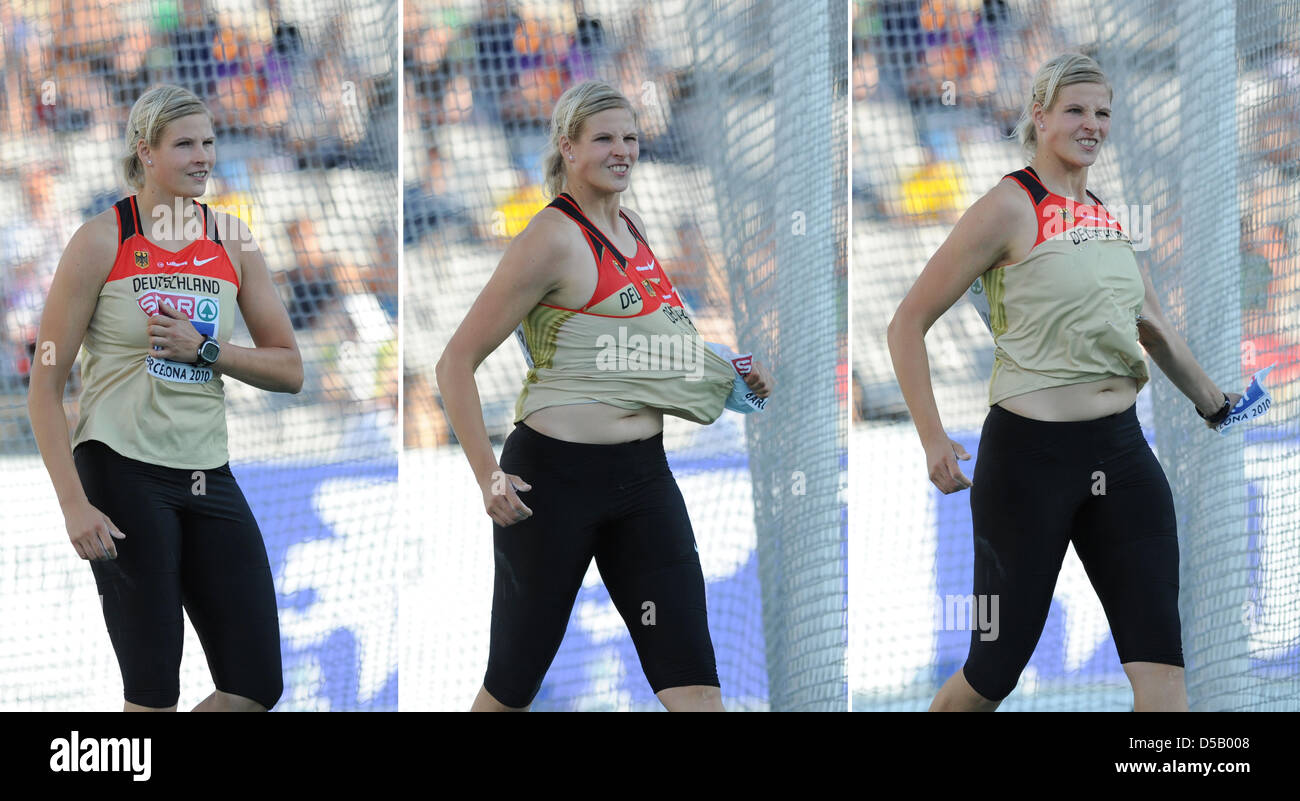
{"points": [[599, 242], [1029, 179], [128, 221]]}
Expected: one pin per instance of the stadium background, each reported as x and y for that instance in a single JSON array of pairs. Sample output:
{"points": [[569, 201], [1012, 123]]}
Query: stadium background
{"points": [[305, 106], [741, 183], [1204, 134]]}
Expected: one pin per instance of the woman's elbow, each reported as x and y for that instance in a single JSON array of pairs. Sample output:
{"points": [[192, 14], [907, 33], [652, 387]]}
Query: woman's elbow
{"points": [[899, 326], [43, 388], [294, 379], [447, 362]]}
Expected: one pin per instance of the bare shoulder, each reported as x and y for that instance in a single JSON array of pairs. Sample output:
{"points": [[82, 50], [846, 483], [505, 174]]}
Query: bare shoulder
{"points": [[1008, 202], [550, 235], [91, 251], [237, 239], [101, 228], [1000, 227], [545, 261], [988, 235]]}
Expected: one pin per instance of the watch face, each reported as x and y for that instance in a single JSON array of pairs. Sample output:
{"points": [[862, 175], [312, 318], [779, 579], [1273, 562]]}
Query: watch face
{"points": [[209, 351]]}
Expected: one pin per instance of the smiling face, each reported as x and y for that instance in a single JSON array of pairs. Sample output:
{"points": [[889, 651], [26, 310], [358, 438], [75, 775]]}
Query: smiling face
{"points": [[1076, 125], [183, 158], [604, 153]]}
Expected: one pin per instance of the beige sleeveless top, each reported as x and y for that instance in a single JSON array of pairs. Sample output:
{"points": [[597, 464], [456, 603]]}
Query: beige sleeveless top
{"points": [[146, 408]]}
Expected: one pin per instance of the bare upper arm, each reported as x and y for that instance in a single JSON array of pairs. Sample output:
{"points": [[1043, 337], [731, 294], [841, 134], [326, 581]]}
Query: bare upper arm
{"points": [[83, 268], [1150, 301], [259, 302], [531, 268], [984, 237]]}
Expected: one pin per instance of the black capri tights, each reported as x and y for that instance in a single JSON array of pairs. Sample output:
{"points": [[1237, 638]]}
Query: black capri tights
{"points": [[620, 504], [200, 549], [1039, 486]]}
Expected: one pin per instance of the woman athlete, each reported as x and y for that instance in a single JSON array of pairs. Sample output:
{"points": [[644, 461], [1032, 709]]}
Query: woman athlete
{"points": [[1068, 307], [587, 448], [148, 288]]}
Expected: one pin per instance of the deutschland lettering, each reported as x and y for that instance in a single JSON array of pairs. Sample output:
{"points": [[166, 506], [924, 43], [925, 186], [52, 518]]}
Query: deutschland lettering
{"points": [[678, 316], [186, 283], [1080, 235]]}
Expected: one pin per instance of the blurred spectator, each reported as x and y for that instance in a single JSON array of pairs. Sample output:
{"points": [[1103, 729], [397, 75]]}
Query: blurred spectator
{"points": [[425, 424], [587, 51], [428, 204], [311, 286], [191, 41], [497, 65], [30, 245], [696, 271], [237, 91], [428, 58]]}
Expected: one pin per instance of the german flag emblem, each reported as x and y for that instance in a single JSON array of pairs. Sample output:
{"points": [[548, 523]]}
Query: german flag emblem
{"points": [[649, 289], [142, 259]]}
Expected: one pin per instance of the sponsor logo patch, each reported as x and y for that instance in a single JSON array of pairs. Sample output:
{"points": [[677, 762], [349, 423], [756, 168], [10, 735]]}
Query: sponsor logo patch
{"points": [[202, 312]]}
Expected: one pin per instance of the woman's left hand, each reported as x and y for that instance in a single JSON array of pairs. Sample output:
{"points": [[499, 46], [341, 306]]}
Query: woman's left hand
{"points": [[759, 380], [1233, 397], [173, 336]]}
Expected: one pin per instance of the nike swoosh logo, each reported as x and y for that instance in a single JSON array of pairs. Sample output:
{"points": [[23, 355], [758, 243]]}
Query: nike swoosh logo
{"points": [[201, 262], [647, 267]]}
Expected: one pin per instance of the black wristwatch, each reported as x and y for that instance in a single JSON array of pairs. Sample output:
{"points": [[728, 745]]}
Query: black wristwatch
{"points": [[1219, 416], [209, 352]]}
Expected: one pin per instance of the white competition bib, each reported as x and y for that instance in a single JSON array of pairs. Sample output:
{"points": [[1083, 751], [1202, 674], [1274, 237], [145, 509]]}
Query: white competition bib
{"points": [[1255, 402], [177, 372], [742, 399]]}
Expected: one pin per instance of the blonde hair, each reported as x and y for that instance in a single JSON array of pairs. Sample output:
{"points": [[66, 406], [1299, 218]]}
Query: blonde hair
{"points": [[150, 116], [572, 110], [1065, 70]]}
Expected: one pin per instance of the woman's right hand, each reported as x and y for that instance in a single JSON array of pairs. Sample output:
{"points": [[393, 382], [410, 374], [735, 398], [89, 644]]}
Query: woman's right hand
{"points": [[941, 457], [92, 532], [501, 498]]}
